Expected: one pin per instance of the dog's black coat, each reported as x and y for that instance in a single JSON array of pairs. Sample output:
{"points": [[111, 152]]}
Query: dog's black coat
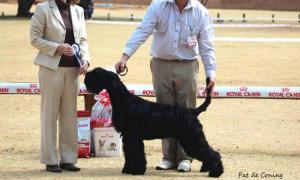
{"points": [[138, 119]]}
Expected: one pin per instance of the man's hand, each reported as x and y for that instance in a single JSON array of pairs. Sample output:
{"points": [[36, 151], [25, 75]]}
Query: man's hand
{"points": [[65, 49], [210, 85], [120, 66], [83, 69]]}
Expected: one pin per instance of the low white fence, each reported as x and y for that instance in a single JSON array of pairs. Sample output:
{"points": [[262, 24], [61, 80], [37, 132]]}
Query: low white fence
{"points": [[147, 90]]}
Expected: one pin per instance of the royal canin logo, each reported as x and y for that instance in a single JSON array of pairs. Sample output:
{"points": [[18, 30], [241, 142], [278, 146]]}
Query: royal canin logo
{"points": [[4, 90], [34, 85], [204, 94], [132, 91], [83, 91], [243, 89], [285, 89], [28, 91], [148, 92], [83, 125]]}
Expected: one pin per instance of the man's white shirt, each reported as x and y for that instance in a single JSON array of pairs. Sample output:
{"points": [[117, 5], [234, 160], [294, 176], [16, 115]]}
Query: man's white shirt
{"points": [[172, 32]]}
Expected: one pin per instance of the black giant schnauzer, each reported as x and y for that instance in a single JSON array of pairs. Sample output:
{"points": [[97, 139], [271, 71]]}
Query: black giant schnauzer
{"points": [[138, 119]]}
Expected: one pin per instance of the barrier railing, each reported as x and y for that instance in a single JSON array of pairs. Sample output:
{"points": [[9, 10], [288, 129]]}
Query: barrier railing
{"points": [[147, 90]]}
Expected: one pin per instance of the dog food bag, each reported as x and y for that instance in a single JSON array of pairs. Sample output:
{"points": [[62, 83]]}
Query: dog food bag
{"points": [[101, 111], [84, 134]]}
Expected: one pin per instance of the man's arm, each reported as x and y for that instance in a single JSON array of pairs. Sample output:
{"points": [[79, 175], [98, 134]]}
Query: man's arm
{"points": [[206, 48], [139, 36]]}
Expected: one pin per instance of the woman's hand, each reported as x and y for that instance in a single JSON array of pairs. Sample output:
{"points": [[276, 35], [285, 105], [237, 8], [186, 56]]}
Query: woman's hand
{"points": [[83, 69], [65, 49]]}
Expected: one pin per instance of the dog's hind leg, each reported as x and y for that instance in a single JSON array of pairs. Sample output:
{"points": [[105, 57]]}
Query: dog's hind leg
{"points": [[135, 160], [196, 146]]}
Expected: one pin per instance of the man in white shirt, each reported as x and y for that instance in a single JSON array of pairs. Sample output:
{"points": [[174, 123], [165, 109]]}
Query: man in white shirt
{"points": [[182, 30]]}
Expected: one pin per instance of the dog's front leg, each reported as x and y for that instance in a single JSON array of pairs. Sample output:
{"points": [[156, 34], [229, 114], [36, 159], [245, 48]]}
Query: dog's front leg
{"points": [[135, 160]]}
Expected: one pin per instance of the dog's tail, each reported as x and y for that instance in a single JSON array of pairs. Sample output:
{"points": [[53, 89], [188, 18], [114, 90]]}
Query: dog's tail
{"points": [[207, 101]]}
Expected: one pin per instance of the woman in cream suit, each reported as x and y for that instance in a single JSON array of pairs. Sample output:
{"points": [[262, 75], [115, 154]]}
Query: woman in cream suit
{"points": [[55, 26]]}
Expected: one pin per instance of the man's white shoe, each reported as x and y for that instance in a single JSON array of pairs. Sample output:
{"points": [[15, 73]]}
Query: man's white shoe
{"points": [[166, 165], [184, 166]]}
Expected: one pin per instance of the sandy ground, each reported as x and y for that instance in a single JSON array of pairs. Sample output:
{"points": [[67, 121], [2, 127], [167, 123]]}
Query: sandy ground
{"points": [[254, 136]]}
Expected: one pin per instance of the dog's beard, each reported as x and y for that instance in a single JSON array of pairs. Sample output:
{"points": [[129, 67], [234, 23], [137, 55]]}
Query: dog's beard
{"points": [[90, 86]]}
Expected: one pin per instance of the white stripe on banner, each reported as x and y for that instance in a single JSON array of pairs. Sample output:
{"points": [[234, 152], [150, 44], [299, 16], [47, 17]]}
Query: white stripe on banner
{"points": [[147, 90], [113, 22], [244, 39], [256, 19], [256, 26], [215, 25]]}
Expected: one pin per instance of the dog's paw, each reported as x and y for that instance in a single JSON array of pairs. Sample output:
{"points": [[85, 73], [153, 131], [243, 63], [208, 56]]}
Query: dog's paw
{"points": [[216, 170], [133, 171]]}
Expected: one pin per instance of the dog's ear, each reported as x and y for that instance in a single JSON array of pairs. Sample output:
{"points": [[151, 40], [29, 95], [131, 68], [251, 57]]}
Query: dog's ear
{"points": [[113, 75], [114, 78], [107, 75]]}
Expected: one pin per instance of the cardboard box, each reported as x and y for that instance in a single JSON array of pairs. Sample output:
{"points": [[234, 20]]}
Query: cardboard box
{"points": [[107, 142]]}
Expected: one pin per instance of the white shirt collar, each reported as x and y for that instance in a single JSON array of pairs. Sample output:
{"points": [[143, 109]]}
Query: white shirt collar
{"points": [[190, 4]]}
